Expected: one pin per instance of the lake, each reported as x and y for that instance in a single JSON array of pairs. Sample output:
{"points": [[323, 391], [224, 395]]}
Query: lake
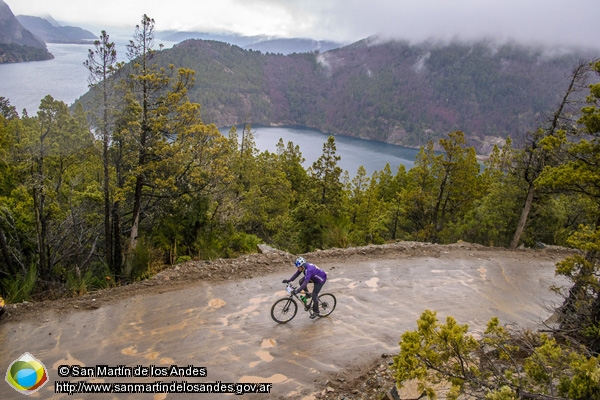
{"points": [[354, 152], [66, 79]]}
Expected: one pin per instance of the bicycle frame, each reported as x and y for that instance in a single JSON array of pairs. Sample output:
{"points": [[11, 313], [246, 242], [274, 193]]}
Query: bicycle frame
{"points": [[290, 289]]}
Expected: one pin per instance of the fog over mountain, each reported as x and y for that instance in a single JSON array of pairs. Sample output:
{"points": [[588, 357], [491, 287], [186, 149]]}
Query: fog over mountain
{"points": [[52, 32], [551, 22], [262, 43]]}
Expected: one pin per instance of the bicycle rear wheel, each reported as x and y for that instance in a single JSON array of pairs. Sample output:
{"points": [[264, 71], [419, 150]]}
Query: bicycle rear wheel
{"points": [[327, 304], [284, 310]]}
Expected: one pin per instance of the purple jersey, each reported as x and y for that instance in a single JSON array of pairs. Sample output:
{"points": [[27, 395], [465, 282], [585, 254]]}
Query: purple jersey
{"points": [[311, 273]]}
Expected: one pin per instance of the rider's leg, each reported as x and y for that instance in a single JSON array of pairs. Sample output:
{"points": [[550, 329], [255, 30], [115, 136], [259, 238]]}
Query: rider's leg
{"points": [[315, 296], [306, 292]]}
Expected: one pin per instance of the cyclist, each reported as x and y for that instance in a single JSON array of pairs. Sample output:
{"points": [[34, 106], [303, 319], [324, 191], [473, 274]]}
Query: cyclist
{"points": [[313, 274]]}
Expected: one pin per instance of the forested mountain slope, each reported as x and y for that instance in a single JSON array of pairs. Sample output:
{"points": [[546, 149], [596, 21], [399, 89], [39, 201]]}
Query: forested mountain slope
{"points": [[391, 91], [17, 44]]}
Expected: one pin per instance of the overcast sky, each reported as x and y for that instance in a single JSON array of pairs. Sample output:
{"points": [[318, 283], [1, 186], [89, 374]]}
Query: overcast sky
{"points": [[557, 22]]}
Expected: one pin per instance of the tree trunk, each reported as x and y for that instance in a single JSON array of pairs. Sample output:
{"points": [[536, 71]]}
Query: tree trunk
{"points": [[39, 203], [139, 183], [6, 252], [137, 208], [524, 216], [436, 220], [107, 228], [117, 248]]}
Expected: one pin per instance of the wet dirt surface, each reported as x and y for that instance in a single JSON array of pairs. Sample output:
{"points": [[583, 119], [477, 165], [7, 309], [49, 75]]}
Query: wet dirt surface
{"points": [[217, 315]]}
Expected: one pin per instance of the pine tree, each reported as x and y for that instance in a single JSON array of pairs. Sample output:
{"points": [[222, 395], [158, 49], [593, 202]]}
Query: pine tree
{"points": [[55, 157], [579, 315], [102, 64], [538, 154], [326, 174]]}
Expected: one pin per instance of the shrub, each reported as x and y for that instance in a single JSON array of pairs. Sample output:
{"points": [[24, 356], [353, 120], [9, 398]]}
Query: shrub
{"points": [[20, 288]]}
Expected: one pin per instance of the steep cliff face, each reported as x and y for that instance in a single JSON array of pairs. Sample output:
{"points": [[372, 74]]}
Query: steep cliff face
{"points": [[17, 44], [12, 32]]}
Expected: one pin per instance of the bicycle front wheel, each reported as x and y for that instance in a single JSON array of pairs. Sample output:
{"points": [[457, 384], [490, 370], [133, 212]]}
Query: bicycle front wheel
{"points": [[284, 310], [327, 304]]}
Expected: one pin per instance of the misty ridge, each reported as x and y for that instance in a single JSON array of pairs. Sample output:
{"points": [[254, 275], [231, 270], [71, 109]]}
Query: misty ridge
{"points": [[50, 31], [383, 89]]}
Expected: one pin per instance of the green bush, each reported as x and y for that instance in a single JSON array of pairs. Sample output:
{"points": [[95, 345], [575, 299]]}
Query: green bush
{"points": [[142, 260], [240, 243], [20, 288], [500, 365], [182, 259], [91, 280]]}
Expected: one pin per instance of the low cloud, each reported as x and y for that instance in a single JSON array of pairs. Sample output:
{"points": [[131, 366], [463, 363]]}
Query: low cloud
{"points": [[549, 22]]}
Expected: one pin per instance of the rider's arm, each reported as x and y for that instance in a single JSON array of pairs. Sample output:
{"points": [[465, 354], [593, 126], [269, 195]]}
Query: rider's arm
{"points": [[294, 276], [307, 279]]}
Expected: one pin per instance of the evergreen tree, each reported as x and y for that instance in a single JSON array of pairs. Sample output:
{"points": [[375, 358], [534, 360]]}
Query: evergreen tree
{"points": [[263, 193], [146, 86], [358, 186], [395, 205], [456, 173], [580, 313], [290, 160], [10, 263], [55, 158], [7, 110], [326, 174], [492, 218], [417, 197], [324, 220], [166, 160], [538, 154], [102, 64]]}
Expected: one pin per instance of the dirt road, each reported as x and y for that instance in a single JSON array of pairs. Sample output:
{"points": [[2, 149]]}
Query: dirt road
{"points": [[216, 316]]}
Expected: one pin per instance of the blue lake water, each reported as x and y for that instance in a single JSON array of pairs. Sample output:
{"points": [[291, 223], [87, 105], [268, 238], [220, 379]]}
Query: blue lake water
{"points": [[354, 152], [66, 79]]}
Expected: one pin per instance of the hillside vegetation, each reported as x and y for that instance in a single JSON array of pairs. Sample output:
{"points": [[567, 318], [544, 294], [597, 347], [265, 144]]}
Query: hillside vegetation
{"points": [[14, 53], [392, 91]]}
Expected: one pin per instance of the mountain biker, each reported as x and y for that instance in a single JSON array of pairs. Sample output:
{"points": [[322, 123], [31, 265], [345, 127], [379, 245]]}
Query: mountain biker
{"points": [[313, 274]]}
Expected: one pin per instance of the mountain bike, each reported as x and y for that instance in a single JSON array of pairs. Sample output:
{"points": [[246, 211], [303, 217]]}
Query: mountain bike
{"points": [[284, 310]]}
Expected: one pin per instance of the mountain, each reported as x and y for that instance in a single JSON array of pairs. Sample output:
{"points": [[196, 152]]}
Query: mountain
{"points": [[391, 91], [17, 44], [260, 43], [51, 32], [289, 46]]}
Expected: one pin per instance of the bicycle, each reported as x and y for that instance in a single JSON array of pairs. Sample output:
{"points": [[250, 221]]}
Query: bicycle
{"points": [[284, 310]]}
